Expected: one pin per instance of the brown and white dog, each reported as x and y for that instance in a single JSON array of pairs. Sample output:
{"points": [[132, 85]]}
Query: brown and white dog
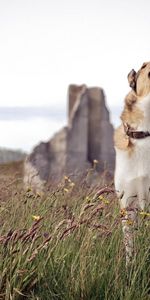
{"points": [[132, 144]]}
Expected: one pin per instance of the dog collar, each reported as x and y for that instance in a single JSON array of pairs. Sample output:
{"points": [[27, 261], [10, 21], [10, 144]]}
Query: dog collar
{"points": [[135, 134]]}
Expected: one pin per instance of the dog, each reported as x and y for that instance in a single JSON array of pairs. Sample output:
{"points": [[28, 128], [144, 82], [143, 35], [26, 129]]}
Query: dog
{"points": [[132, 146]]}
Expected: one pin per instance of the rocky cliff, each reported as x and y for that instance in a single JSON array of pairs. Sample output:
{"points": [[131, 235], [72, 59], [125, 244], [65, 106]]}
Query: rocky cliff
{"points": [[87, 137]]}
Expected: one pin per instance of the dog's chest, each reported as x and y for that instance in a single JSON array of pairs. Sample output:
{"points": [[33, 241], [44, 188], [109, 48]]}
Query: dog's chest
{"points": [[132, 165], [136, 163]]}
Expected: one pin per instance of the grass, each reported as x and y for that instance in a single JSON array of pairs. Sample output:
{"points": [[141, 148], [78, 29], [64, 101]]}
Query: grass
{"points": [[68, 245]]}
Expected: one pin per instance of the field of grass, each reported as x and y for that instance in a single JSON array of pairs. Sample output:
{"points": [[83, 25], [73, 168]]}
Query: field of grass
{"points": [[67, 244]]}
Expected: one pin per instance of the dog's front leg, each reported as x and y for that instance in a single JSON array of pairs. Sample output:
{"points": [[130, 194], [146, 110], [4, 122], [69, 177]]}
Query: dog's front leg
{"points": [[128, 225]]}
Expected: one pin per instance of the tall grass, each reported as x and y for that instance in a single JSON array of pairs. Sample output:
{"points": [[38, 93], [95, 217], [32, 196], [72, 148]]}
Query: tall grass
{"points": [[68, 245]]}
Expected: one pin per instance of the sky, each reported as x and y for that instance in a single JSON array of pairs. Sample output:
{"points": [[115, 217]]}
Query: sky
{"points": [[47, 44]]}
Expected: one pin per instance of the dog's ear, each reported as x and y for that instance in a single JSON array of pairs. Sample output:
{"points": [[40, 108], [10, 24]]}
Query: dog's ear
{"points": [[144, 65], [132, 79]]}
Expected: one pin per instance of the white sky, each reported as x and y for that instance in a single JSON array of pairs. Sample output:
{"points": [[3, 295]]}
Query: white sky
{"points": [[47, 44]]}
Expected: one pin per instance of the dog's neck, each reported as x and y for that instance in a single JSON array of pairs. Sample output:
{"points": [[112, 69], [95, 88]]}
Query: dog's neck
{"points": [[143, 104], [135, 134], [136, 112]]}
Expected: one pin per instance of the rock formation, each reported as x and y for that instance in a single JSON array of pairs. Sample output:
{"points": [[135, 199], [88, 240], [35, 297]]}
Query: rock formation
{"points": [[88, 137]]}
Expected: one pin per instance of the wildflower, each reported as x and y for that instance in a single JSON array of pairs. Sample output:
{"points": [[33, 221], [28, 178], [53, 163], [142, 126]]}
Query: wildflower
{"points": [[129, 222], [66, 190], [72, 184], [66, 177], [144, 214], [87, 199], [38, 194], [104, 200], [36, 218], [123, 212], [46, 234], [95, 161], [29, 189]]}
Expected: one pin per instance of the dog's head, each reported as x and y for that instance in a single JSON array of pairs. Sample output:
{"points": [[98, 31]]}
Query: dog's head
{"points": [[140, 81]]}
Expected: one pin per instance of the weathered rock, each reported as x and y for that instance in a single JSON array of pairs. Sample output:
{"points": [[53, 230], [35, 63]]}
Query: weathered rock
{"points": [[36, 167], [57, 154], [46, 162], [100, 133], [88, 137], [77, 139]]}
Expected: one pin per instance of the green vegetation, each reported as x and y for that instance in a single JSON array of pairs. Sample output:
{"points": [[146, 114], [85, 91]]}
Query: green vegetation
{"points": [[67, 245]]}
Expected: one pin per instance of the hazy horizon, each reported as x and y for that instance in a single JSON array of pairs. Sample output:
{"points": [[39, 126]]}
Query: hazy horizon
{"points": [[45, 45], [35, 124]]}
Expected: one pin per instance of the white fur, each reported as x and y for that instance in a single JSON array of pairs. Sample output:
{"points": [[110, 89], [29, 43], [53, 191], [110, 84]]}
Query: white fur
{"points": [[132, 174], [132, 178]]}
